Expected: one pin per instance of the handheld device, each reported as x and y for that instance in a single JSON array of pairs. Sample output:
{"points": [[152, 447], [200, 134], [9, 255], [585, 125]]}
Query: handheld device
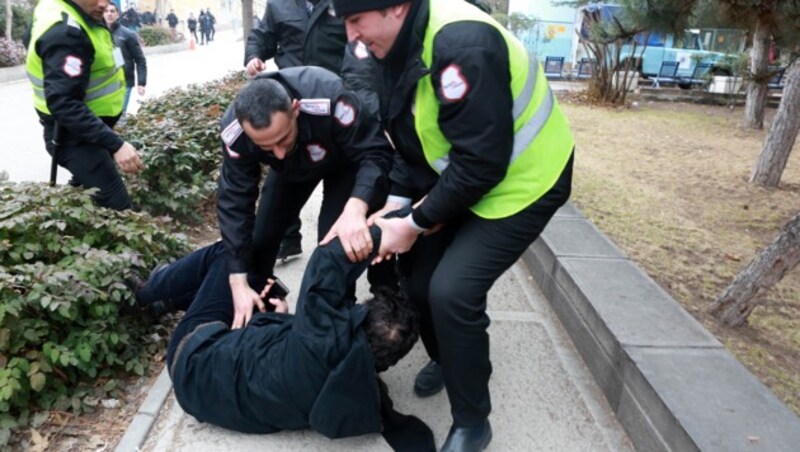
{"points": [[278, 289]]}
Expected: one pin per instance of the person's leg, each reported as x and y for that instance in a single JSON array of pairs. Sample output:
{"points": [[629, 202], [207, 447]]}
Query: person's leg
{"points": [[213, 301], [94, 167], [278, 205], [179, 281], [481, 251], [292, 243]]}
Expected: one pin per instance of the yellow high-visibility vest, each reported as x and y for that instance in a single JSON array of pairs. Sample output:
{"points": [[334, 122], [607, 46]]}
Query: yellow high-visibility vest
{"points": [[542, 140], [105, 93]]}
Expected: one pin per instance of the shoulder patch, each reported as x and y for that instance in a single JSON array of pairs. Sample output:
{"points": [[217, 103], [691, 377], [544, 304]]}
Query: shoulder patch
{"points": [[345, 113], [316, 152], [360, 51], [317, 107], [73, 66], [231, 133], [454, 84], [71, 22]]}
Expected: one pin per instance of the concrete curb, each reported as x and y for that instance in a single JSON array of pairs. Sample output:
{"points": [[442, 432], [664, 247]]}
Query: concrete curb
{"points": [[137, 431], [672, 385], [16, 73]]}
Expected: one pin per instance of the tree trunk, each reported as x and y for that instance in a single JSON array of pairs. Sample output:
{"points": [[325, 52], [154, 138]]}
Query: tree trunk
{"points": [[738, 300], [9, 17], [757, 87], [782, 134], [247, 18]]}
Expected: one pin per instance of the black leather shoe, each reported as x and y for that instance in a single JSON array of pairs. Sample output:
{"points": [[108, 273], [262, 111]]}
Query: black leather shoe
{"points": [[468, 439], [288, 250], [430, 380]]}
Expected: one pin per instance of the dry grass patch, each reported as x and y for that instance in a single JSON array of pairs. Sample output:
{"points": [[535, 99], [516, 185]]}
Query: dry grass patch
{"points": [[669, 184]]}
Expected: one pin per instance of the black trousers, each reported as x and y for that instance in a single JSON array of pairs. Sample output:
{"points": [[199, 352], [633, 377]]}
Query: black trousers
{"points": [[449, 273], [279, 207], [92, 167]]}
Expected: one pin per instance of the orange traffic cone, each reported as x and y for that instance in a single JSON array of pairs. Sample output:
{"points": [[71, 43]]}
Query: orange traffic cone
{"points": [[191, 44]]}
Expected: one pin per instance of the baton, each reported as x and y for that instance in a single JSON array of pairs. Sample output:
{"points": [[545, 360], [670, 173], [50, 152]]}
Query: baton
{"points": [[56, 145]]}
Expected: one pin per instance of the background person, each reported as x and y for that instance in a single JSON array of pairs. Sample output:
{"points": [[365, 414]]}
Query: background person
{"points": [[172, 21], [79, 88], [135, 62], [191, 22], [485, 156]]}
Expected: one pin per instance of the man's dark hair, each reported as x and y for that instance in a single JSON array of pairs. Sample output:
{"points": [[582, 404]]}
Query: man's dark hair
{"points": [[259, 100], [392, 326]]}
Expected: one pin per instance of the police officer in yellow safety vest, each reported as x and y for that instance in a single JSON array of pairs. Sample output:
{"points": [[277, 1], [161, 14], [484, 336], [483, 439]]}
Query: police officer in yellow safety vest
{"points": [[485, 158], [78, 90]]}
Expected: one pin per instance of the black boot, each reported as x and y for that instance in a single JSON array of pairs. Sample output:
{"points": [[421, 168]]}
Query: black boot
{"points": [[289, 248], [430, 380], [468, 439]]}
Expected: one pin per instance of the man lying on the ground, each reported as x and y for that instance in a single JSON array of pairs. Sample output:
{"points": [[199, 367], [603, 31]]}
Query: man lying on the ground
{"points": [[316, 369]]}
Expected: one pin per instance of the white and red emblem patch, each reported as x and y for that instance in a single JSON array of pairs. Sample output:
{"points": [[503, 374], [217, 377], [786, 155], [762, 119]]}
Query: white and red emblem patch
{"points": [[73, 66], [316, 152], [360, 51], [454, 84], [344, 113]]}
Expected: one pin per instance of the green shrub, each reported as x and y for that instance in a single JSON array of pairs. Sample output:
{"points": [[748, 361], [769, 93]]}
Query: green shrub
{"points": [[62, 265], [155, 36], [22, 16], [178, 136]]}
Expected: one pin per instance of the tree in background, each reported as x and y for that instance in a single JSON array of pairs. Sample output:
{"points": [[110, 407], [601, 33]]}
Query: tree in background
{"points": [[786, 125], [247, 18], [627, 25], [9, 18]]}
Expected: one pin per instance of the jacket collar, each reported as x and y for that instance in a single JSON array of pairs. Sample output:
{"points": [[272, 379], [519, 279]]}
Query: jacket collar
{"points": [[408, 49]]}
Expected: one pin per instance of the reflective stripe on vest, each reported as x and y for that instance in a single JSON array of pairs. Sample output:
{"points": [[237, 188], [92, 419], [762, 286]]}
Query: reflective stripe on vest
{"points": [[105, 92], [542, 140]]}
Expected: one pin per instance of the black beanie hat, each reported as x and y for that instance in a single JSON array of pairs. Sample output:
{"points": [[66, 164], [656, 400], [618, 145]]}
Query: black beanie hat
{"points": [[349, 7]]}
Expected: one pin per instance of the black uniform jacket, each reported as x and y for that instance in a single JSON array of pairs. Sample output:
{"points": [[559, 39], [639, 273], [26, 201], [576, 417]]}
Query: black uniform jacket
{"points": [[475, 114], [282, 372], [64, 90], [294, 38], [128, 41], [334, 132]]}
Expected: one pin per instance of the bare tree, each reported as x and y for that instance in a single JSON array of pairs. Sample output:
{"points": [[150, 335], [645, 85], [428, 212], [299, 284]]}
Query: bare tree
{"points": [[783, 133], [9, 17], [759, 76], [247, 18], [738, 300]]}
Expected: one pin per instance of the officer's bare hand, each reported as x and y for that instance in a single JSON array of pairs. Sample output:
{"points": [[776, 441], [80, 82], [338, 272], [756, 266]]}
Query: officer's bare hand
{"points": [[254, 66], [388, 207], [244, 298], [140, 90], [351, 228], [128, 159], [397, 237]]}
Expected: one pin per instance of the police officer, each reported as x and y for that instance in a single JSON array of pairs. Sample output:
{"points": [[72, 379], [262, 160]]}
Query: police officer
{"points": [[79, 89], [485, 158], [304, 125], [300, 33]]}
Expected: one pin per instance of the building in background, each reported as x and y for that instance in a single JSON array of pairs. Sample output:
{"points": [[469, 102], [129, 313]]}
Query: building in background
{"points": [[553, 33]]}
